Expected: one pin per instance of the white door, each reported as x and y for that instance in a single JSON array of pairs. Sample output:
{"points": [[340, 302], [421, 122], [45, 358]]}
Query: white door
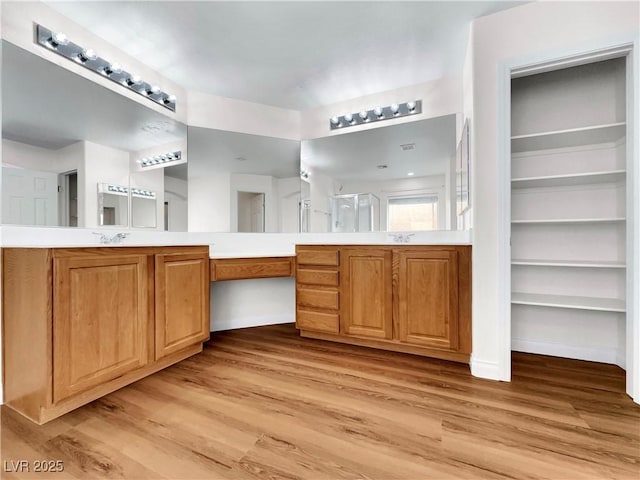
{"points": [[257, 212], [29, 197]]}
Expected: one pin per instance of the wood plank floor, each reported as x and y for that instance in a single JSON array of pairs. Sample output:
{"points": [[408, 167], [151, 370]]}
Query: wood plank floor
{"points": [[263, 403]]}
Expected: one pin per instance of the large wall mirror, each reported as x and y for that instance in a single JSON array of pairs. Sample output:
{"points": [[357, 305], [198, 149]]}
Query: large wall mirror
{"points": [[72, 152], [245, 183], [393, 178]]}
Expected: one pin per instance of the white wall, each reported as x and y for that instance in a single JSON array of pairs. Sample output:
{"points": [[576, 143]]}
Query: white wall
{"points": [[101, 165], [209, 200], [152, 180], [288, 204], [532, 33], [21, 155]]}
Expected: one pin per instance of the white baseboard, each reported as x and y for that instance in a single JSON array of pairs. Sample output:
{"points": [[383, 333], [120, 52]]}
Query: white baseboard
{"points": [[218, 325], [579, 352], [484, 369]]}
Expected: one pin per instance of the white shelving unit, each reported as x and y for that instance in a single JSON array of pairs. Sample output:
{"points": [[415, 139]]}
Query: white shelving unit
{"points": [[568, 176]]}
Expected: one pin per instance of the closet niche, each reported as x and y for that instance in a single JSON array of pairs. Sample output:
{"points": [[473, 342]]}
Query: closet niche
{"points": [[568, 196]]}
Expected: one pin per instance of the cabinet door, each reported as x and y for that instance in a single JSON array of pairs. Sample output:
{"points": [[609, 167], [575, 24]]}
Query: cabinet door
{"points": [[428, 298], [366, 303], [100, 318], [182, 301]]}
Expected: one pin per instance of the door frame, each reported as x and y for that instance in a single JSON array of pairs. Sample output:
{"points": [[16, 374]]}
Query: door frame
{"points": [[547, 61]]}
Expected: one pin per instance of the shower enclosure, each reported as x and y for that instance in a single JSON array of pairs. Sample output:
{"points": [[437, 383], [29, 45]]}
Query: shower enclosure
{"points": [[356, 212]]}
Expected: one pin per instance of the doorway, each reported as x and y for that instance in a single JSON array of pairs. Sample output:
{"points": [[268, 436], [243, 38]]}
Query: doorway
{"points": [[251, 212]]}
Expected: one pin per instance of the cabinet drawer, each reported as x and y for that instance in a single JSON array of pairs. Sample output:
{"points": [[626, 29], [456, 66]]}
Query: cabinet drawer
{"points": [[318, 298], [317, 321], [318, 277], [245, 268], [318, 257]]}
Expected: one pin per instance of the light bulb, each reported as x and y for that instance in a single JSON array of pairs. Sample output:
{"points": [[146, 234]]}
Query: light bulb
{"points": [[411, 106], [86, 55], [134, 80], [395, 108], [410, 174], [153, 90], [59, 38], [335, 120], [364, 115], [379, 112], [172, 98], [349, 118], [113, 68]]}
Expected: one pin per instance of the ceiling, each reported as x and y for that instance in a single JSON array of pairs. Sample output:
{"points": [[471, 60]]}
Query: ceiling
{"points": [[71, 109], [296, 55], [430, 149]]}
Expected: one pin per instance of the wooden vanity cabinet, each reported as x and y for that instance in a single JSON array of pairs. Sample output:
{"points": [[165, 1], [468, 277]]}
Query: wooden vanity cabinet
{"points": [[317, 289], [79, 323], [413, 299], [366, 308]]}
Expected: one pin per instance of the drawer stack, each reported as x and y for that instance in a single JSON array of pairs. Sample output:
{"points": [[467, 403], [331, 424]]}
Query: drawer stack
{"points": [[317, 294]]}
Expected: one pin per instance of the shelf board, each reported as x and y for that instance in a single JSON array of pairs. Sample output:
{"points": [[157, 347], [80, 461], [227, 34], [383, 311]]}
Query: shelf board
{"points": [[561, 221], [568, 263], [572, 137], [566, 301], [589, 178]]}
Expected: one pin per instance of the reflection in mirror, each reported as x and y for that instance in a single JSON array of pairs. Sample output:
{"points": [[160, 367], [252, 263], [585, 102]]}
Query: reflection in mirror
{"points": [[250, 183], [144, 209], [113, 205], [59, 142], [394, 178]]}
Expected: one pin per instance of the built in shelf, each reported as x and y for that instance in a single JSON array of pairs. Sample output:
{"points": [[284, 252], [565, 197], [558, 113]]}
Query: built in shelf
{"points": [[566, 301], [567, 180], [568, 263], [572, 137], [560, 221]]}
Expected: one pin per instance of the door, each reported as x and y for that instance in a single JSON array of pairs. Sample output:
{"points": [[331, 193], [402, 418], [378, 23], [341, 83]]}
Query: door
{"points": [[100, 318], [366, 303], [428, 298], [182, 301], [29, 197]]}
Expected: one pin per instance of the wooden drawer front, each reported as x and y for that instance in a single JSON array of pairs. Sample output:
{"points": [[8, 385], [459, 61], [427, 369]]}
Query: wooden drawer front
{"points": [[317, 321], [318, 298], [318, 277], [243, 268], [318, 257]]}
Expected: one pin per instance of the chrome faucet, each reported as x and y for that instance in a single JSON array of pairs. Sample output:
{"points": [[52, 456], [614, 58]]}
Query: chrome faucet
{"points": [[402, 237], [111, 240]]}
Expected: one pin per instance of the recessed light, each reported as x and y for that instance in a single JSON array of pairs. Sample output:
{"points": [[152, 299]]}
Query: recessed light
{"points": [[410, 174]]}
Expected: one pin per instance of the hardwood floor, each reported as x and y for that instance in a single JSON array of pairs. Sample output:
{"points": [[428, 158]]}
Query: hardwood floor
{"points": [[263, 403]]}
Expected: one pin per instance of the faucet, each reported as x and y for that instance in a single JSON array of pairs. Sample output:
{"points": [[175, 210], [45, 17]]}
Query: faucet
{"points": [[402, 237], [113, 240]]}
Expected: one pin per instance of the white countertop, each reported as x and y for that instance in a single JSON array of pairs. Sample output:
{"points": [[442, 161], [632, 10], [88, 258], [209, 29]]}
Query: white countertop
{"points": [[221, 245]]}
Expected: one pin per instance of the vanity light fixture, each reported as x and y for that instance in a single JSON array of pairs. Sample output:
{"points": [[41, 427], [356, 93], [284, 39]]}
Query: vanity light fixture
{"points": [[376, 114], [59, 43], [137, 192], [164, 158], [117, 189]]}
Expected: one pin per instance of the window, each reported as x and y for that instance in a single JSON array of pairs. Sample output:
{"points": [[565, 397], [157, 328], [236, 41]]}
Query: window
{"points": [[416, 212]]}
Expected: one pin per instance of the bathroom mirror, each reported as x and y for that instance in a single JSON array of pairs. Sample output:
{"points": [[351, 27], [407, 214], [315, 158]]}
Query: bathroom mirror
{"points": [[62, 135], [392, 178], [113, 205], [243, 183]]}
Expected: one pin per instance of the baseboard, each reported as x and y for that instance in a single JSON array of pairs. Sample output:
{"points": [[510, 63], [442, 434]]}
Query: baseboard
{"points": [[578, 352], [218, 325], [484, 369]]}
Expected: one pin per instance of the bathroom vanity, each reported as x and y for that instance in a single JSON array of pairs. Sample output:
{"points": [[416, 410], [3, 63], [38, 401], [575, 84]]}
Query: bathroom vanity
{"points": [[413, 299], [79, 323]]}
